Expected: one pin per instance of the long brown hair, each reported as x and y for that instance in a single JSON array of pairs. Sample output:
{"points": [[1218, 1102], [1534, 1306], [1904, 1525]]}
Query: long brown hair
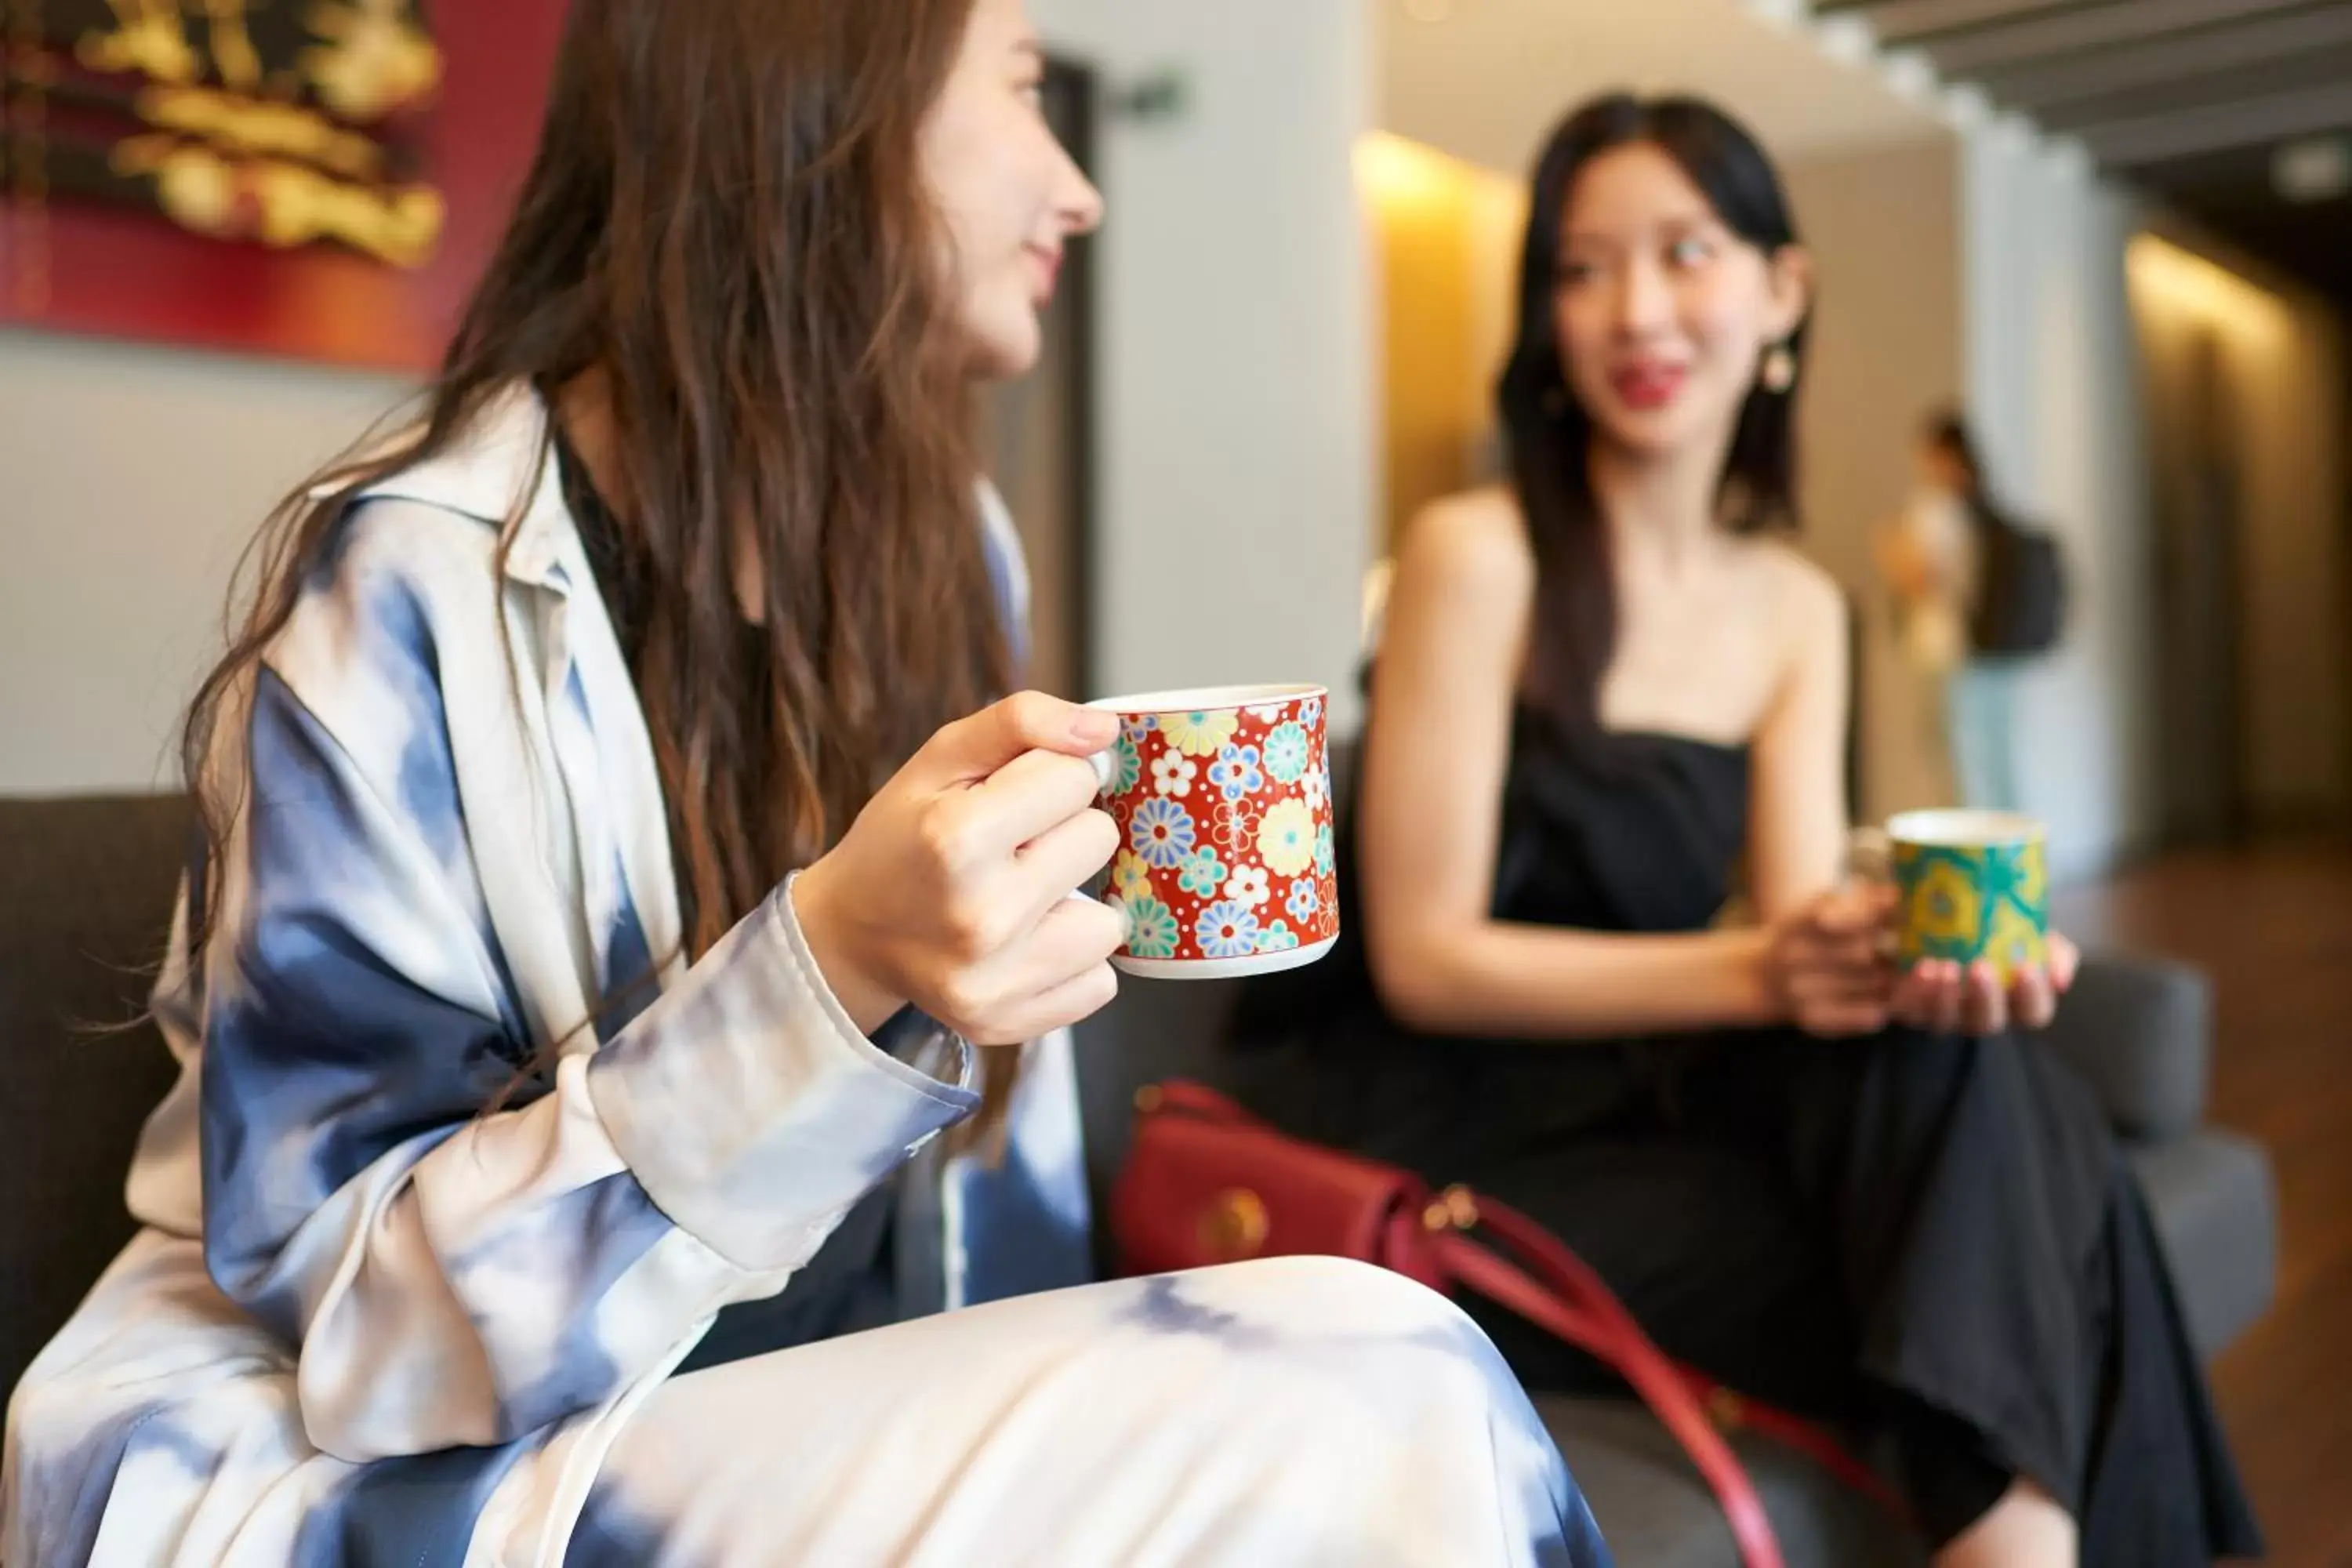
{"points": [[727, 219]]}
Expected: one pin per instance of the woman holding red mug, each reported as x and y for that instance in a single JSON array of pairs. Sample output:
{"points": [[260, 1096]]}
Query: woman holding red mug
{"points": [[620, 908]]}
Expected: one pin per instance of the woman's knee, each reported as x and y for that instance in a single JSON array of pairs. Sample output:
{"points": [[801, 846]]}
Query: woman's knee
{"points": [[1373, 1326], [2010, 1073], [1343, 1293]]}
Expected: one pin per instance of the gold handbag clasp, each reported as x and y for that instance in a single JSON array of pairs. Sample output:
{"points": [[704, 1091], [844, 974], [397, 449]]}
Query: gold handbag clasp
{"points": [[1236, 1225], [1452, 1209]]}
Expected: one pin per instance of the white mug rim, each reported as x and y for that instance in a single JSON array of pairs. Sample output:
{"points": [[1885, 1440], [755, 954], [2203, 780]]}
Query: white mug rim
{"points": [[1206, 699], [1956, 827], [1253, 964]]}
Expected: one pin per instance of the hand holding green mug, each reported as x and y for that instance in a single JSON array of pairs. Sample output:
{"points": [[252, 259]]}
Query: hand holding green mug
{"points": [[1971, 922]]}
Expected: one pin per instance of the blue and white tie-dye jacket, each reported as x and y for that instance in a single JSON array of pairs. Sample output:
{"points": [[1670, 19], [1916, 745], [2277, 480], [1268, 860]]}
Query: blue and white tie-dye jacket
{"points": [[451, 848]]}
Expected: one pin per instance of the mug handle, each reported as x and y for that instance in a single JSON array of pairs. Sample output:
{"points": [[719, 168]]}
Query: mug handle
{"points": [[1870, 861], [1105, 763], [1869, 855]]}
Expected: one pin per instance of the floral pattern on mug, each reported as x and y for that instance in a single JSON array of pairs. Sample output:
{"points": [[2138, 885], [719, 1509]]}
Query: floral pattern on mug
{"points": [[1129, 876], [1204, 874], [1946, 908], [1227, 929], [1286, 838], [1173, 773], [2029, 882], [1965, 902], [1199, 734], [1150, 927], [1163, 833], [2016, 940], [1286, 753], [1236, 772], [1233, 827], [1126, 765], [1226, 823], [1247, 885], [1317, 785]]}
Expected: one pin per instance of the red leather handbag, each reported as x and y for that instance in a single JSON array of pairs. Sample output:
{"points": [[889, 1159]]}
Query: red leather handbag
{"points": [[1206, 1183]]}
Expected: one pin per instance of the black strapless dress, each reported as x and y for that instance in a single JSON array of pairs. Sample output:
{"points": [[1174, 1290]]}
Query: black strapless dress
{"points": [[1936, 1238]]}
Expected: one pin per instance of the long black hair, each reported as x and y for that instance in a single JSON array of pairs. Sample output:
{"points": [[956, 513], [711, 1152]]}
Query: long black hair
{"points": [[1948, 432], [1550, 435]]}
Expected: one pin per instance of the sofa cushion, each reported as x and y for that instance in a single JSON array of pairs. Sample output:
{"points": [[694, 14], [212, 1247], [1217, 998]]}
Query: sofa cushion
{"points": [[2216, 1212], [2141, 1030], [85, 890], [2211, 1194], [1655, 1509]]}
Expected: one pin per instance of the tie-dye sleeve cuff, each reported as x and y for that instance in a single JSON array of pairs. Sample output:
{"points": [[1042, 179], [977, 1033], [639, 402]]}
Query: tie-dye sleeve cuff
{"points": [[752, 1108]]}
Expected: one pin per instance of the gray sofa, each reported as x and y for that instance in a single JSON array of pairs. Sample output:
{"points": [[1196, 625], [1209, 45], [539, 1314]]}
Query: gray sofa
{"points": [[85, 893], [2139, 1030]]}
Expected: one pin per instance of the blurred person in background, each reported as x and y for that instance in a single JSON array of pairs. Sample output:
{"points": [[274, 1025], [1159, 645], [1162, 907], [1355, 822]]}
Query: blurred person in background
{"points": [[1976, 595], [615, 890], [1600, 689]]}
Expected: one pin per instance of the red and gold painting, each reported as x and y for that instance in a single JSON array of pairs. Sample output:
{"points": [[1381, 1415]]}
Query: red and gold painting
{"points": [[315, 178]]}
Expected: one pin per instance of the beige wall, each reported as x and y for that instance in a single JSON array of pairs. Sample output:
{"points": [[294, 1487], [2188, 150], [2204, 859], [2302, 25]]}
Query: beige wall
{"points": [[1886, 348], [1986, 269], [1446, 238], [131, 478]]}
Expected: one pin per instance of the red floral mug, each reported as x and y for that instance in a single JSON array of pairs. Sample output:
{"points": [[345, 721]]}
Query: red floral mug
{"points": [[1226, 864]]}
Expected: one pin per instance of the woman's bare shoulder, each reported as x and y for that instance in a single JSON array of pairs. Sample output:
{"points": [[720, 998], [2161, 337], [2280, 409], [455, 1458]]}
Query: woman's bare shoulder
{"points": [[1474, 544], [1804, 593], [1809, 611]]}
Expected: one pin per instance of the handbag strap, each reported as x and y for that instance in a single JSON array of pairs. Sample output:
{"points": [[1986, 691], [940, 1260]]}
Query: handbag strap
{"points": [[1546, 1283], [1569, 1276], [1661, 1386]]}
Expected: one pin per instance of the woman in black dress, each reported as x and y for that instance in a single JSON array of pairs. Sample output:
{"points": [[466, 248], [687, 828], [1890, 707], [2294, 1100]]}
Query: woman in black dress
{"points": [[1604, 690]]}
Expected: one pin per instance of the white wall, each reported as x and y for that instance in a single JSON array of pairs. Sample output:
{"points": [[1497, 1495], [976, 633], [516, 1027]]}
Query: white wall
{"points": [[2054, 390], [1886, 348], [1238, 481], [1986, 267], [130, 478], [1237, 361], [1488, 80]]}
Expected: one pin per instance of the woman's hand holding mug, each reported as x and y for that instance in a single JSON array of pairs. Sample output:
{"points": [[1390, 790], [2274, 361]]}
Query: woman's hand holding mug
{"points": [[1958, 907], [952, 892], [1972, 923], [1829, 971], [1827, 966], [1945, 997]]}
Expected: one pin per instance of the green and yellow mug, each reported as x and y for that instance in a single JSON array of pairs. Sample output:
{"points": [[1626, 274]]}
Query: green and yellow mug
{"points": [[1974, 885]]}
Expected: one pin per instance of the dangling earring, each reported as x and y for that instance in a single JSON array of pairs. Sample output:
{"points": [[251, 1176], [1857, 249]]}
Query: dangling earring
{"points": [[1780, 368]]}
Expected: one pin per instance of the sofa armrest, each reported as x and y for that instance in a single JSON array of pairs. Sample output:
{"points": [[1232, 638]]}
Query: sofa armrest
{"points": [[2140, 1030]]}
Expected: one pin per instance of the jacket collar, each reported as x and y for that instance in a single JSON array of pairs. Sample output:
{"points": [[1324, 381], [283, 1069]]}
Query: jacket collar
{"points": [[501, 461]]}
